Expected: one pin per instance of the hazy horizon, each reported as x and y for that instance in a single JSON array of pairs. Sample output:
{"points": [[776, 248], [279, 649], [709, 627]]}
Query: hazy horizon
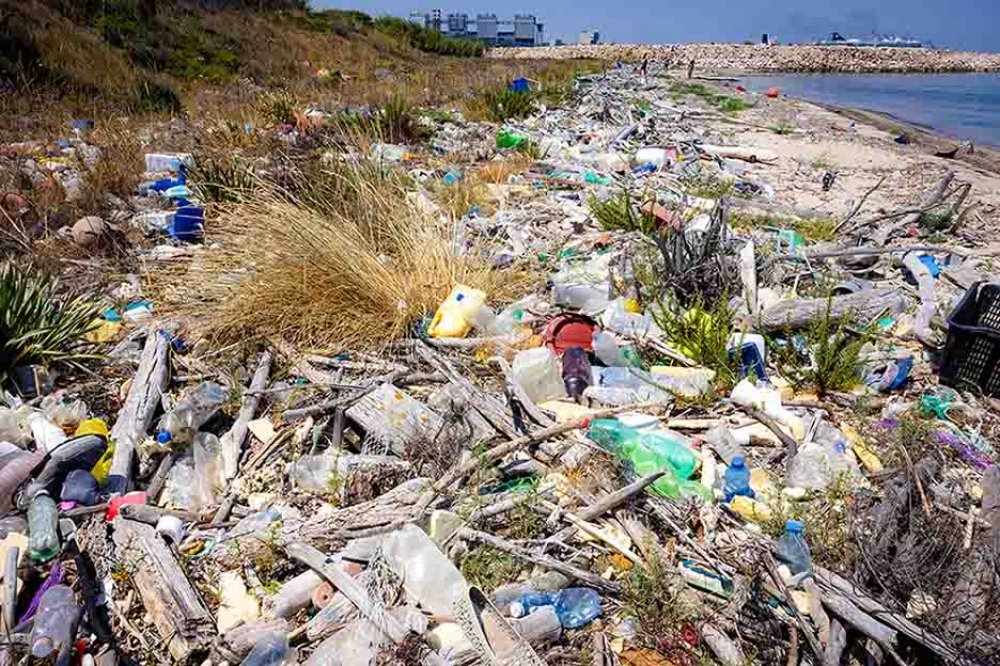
{"points": [[969, 25]]}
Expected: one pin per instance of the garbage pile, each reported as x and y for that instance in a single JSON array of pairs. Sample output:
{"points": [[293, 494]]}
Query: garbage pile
{"points": [[704, 439]]}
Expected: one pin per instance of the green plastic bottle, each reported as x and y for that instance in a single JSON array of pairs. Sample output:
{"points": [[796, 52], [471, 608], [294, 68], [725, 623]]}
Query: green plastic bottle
{"points": [[508, 139], [650, 453]]}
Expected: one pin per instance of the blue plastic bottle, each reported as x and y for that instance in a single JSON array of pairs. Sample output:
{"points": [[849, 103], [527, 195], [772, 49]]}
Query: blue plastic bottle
{"points": [[578, 607], [737, 480], [575, 606], [792, 549]]}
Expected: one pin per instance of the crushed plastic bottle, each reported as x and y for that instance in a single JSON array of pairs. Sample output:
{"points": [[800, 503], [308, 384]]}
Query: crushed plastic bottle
{"points": [[792, 550], [192, 411], [271, 649], [736, 480], [822, 460], [43, 534], [587, 298], [55, 621], [607, 351], [66, 416], [575, 606], [720, 439], [575, 372], [538, 372]]}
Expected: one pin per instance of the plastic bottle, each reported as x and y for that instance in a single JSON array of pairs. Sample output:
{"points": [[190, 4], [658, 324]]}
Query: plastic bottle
{"points": [[587, 298], [792, 549], [43, 535], [66, 416], [271, 649], [721, 440], [606, 350], [54, 622], [736, 480], [674, 448], [690, 382], [750, 509], [456, 314], [47, 435], [509, 139], [628, 444], [575, 606], [192, 411], [207, 452], [657, 157], [575, 371], [538, 372], [768, 400]]}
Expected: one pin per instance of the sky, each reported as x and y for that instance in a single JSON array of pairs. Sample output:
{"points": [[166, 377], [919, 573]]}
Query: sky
{"points": [[955, 24]]}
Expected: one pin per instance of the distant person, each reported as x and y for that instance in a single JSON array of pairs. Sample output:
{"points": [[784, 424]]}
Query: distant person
{"points": [[644, 67], [691, 68]]}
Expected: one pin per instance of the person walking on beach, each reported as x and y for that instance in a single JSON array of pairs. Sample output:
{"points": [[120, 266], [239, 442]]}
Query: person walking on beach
{"points": [[645, 65]]}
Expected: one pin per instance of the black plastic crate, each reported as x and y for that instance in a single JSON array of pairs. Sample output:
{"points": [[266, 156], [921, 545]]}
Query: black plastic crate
{"points": [[972, 356]]}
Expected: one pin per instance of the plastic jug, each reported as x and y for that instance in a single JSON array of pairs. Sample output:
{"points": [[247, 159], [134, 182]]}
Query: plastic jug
{"points": [[455, 316], [54, 622], [792, 549], [538, 372], [575, 371], [736, 480], [43, 535], [192, 411]]}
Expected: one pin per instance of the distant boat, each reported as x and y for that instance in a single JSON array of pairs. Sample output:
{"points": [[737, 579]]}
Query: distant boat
{"points": [[836, 39]]}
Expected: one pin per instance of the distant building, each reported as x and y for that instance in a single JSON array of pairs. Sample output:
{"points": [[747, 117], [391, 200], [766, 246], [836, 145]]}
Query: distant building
{"points": [[590, 37], [523, 30]]}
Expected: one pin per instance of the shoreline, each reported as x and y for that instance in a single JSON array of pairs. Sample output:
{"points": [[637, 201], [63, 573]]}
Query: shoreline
{"points": [[762, 59]]}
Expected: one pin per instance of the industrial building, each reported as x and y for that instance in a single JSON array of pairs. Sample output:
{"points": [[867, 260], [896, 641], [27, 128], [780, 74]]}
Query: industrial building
{"points": [[589, 37], [523, 30]]}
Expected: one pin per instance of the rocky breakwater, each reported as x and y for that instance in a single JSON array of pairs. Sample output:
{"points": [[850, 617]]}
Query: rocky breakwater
{"points": [[758, 58]]}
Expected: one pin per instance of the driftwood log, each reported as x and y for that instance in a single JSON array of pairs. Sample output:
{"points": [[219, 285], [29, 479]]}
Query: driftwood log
{"points": [[862, 306], [136, 415], [176, 609], [232, 441]]}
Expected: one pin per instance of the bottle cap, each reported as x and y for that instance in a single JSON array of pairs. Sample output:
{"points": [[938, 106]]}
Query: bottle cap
{"points": [[738, 462], [163, 437], [794, 526]]}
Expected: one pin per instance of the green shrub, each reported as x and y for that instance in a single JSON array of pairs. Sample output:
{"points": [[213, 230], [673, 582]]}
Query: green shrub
{"points": [[36, 326], [619, 213], [501, 104], [221, 180], [701, 331], [427, 40]]}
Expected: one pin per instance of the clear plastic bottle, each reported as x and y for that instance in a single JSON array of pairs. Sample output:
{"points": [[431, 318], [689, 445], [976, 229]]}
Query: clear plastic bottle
{"points": [[736, 480], [53, 624], [43, 534], [575, 371], [607, 351], [207, 451], [538, 372], [271, 649], [587, 298], [575, 606], [792, 550], [192, 411], [721, 440]]}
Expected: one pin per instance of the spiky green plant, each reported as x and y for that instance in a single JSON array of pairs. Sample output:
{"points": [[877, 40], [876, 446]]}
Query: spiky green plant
{"points": [[503, 104], [36, 326], [619, 213], [221, 179]]}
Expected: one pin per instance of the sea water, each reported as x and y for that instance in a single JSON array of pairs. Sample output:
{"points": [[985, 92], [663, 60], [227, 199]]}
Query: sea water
{"points": [[961, 106]]}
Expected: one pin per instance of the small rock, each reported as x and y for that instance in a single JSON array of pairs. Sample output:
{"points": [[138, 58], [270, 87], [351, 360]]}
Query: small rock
{"points": [[87, 231]]}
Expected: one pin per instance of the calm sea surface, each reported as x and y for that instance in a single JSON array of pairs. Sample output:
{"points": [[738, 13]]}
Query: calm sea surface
{"points": [[962, 106]]}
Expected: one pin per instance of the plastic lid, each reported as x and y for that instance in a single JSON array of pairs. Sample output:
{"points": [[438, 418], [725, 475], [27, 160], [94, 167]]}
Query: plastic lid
{"points": [[794, 526], [163, 437], [42, 647], [459, 296], [738, 461]]}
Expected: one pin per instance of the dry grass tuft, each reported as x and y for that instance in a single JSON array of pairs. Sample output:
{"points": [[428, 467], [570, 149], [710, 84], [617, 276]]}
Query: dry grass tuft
{"points": [[496, 172], [346, 261]]}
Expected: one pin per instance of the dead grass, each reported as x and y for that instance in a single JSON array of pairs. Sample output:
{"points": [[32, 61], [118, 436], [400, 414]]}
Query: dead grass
{"points": [[117, 171], [348, 262], [496, 172], [458, 198]]}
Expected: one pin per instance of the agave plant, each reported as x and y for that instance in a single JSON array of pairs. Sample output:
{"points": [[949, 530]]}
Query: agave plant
{"points": [[36, 326]]}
